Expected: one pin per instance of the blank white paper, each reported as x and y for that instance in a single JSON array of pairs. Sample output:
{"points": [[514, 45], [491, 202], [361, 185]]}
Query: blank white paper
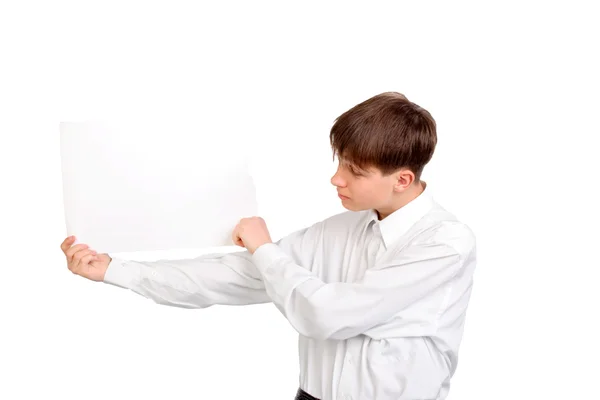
{"points": [[151, 185]]}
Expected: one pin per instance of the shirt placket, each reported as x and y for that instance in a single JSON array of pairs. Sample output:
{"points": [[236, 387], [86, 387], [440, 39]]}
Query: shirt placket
{"points": [[348, 378], [374, 247]]}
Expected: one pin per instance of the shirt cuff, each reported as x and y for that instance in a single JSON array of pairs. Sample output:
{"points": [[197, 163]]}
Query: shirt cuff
{"points": [[122, 273], [266, 255]]}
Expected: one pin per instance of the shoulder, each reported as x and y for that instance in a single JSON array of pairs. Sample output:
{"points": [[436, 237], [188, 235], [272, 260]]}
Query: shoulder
{"points": [[442, 228], [346, 221], [328, 233], [337, 226]]}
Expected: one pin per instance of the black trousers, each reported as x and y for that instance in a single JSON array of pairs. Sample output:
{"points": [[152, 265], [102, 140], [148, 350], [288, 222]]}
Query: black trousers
{"points": [[302, 395]]}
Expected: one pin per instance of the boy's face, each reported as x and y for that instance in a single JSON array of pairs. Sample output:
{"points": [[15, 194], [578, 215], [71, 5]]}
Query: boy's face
{"points": [[363, 189]]}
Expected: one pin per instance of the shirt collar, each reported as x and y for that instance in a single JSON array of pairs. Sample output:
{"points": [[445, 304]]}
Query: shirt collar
{"points": [[399, 222]]}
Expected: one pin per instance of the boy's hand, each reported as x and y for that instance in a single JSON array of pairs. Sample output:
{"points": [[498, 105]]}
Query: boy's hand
{"points": [[83, 261], [251, 233]]}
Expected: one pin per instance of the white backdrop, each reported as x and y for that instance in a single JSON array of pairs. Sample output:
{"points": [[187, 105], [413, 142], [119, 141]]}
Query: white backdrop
{"points": [[513, 88]]}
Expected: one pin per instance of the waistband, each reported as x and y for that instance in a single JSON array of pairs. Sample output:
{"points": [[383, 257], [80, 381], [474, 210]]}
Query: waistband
{"points": [[302, 395]]}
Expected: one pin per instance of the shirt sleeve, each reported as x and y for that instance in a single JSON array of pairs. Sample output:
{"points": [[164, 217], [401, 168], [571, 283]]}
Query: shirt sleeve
{"points": [[227, 279], [224, 279], [342, 310]]}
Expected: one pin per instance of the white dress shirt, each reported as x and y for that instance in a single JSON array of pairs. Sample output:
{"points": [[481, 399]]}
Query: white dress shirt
{"points": [[379, 305]]}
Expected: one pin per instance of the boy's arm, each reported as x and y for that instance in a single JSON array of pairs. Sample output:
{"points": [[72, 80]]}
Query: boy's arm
{"points": [[225, 279], [343, 310]]}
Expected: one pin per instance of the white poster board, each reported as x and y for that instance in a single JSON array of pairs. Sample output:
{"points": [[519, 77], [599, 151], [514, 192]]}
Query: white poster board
{"points": [[152, 185]]}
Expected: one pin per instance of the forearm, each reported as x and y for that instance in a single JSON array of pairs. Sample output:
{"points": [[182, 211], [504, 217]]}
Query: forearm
{"points": [[226, 279], [318, 310], [340, 310]]}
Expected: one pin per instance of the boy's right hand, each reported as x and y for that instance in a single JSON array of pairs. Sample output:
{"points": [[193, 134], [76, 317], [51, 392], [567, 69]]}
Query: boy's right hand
{"points": [[83, 261]]}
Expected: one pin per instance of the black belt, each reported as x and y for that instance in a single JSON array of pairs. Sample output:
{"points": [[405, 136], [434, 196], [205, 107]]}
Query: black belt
{"points": [[302, 395]]}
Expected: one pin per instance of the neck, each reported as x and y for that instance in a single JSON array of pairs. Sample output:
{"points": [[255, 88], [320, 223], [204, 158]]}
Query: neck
{"points": [[402, 199]]}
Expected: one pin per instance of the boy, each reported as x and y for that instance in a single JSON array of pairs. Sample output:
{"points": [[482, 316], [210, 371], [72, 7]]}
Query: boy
{"points": [[378, 294]]}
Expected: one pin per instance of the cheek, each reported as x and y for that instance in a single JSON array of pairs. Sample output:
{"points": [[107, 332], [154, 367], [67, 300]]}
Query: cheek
{"points": [[374, 193], [365, 192]]}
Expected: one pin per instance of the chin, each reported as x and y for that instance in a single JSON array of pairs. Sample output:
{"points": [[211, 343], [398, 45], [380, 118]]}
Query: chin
{"points": [[351, 207]]}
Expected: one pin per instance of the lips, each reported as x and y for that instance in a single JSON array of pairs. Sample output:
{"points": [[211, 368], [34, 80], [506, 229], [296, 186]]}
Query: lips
{"points": [[341, 196]]}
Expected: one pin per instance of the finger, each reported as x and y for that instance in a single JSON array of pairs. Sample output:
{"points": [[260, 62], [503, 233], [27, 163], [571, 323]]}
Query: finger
{"points": [[64, 246], [86, 260], [81, 262], [76, 263], [82, 253], [74, 249], [237, 240]]}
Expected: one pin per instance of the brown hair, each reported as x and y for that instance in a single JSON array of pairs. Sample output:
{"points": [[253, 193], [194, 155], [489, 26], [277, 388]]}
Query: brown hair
{"points": [[388, 132]]}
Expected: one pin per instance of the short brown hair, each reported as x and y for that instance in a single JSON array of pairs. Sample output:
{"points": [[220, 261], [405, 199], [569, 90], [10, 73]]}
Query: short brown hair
{"points": [[388, 132]]}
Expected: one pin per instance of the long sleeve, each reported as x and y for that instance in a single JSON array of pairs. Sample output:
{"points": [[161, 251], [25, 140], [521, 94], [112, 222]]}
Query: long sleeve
{"points": [[342, 310], [224, 279], [227, 279]]}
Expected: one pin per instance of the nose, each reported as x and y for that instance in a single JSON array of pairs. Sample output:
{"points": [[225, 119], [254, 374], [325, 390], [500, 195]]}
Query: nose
{"points": [[337, 179]]}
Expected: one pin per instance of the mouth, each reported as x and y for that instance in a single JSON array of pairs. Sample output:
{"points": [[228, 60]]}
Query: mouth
{"points": [[343, 197]]}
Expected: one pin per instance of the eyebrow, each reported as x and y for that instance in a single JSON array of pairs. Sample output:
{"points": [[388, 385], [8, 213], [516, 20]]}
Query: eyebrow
{"points": [[355, 167]]}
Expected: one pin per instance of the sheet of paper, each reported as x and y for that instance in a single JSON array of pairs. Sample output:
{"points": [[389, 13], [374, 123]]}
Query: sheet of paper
{"points": [[151, 185]]}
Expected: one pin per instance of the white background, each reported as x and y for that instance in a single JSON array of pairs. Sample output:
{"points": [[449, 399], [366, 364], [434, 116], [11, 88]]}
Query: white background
{"points": [[514, 89]]}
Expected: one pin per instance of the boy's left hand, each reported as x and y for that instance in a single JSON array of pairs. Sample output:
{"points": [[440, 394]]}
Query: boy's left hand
{"points": [[251, 233]]}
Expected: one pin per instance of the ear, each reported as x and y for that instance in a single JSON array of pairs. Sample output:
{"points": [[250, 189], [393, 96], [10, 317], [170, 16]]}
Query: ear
{"points": [[403, 178]]}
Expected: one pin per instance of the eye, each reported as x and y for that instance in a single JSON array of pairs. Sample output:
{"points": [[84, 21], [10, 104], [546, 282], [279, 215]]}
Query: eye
{"points": [[355, 172]]}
